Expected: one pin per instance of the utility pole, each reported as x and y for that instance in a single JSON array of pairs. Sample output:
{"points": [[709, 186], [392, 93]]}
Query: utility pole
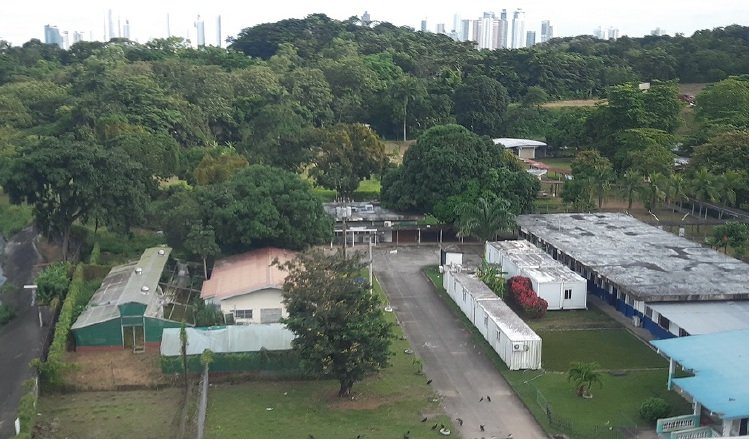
{"points": [[344, 237], [369, 243]]}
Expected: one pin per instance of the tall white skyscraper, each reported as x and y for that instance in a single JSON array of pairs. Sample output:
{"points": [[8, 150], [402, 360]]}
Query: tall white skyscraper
{"points": [[440, 28], [518, 34], [77, 37], [486, 38], [613, 33], [502, 31], [126, 30], [530, 38], [423, 25], [457, 27], [111, 23], [52, 36], [599, 33], [546, 31], [169, 32], [218, 30], [200, 32], [365, 20], [467, 27]]}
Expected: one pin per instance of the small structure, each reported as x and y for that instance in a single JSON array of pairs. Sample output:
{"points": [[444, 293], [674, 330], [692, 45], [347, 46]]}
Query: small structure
{"points": [[518, 346], [248, 286], [562, 288], [718, 387], [451, 255], [234, 348], [127, 311], [523, 148]]}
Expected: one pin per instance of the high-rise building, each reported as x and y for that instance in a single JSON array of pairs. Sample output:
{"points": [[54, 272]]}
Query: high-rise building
{"points": [[457, 26], [365, 20], [466, 30], [476, 26], [126, 30], [66, 40], [52, 36], [599, 33], [440, 28], [658, 31], [111, 34], [77, 37], [218, 31], [501, 36], [169, 32], [530, 38], [613, 33], [546, 34], [423, 26], [200, 33], [517, 33], [486, 39]]}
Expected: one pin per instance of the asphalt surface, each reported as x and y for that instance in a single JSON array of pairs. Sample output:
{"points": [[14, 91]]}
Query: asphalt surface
{"points": [[461, 374], [21, 340]]}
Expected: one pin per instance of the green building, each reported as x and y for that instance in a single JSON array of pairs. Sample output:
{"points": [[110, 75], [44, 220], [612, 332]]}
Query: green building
{"points": [[127, 312]]}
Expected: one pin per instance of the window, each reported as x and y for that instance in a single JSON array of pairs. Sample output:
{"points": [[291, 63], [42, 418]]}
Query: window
{"points": [[485, 321], [684, 333], [664, 322], [243, 314], [498, 334], [464, 296], [568, 293], [648, 312]]}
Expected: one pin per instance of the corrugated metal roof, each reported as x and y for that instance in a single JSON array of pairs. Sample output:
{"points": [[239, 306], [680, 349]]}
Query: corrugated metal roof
{"points": [[507, 320], [476, 287], [514, 142], [229, 339], [246, 273], [515, 246], [523, 259], [552, 274], [123, 284], [700, 318], [719, 362]]}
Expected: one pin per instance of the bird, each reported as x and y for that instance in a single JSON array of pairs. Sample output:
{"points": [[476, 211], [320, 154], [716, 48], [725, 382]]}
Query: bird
{"points": [[310, 436], [481, 428], [429, 381], [406, 434], [460, 421], [359, 435], [481, 398], [489, 399], [510, 435], [434, 427], [424, 419]]}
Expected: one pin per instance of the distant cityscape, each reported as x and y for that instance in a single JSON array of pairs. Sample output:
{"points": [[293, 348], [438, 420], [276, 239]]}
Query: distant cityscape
{"points": [[504, 30]]}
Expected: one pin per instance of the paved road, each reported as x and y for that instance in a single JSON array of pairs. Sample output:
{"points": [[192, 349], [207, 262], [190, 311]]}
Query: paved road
{"points": [[461, 373], [21, 339]]}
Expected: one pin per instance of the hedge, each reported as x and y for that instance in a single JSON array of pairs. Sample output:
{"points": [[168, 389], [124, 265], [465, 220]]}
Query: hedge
{"points": [[264, 360], [51, 370], [27, 408]]}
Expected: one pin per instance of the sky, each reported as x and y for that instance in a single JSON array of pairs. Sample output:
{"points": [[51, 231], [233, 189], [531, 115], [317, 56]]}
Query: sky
{"points": [[21, 21]]}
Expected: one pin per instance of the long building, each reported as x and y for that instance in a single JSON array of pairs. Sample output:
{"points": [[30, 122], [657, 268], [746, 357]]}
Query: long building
{"points": [[670, 285]]}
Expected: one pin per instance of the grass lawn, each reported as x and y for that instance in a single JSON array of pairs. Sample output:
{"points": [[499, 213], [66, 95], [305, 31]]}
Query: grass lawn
{"points": [[110, 414], [614, 349], [385, 405], [622, 393], [13, 218], [562, 163]]}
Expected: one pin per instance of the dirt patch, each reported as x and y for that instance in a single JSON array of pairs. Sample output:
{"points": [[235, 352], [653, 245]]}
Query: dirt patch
{"points": [[112, 370], [357, 402], [49, 251], [691, 88], [574, 103]]}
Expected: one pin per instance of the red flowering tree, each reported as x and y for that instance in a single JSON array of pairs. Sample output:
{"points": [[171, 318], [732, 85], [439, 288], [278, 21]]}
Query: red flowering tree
{"points": [[523, 295]]}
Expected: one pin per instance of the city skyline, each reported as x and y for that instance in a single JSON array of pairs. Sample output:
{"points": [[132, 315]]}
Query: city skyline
{"points": [[147, 20]]}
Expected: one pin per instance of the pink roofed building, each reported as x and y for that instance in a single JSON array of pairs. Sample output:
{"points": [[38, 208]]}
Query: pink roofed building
{"points": [[248, 286]]}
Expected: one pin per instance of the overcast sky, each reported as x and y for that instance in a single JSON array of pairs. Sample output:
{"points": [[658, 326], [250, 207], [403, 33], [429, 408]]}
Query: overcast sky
{"points": [[21, 21]]}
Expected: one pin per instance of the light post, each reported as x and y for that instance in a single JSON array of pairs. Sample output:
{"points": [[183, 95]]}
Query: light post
{"points": [[33, 301]]}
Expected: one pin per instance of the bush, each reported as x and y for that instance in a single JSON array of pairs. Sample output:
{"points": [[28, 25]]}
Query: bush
{"points": [[523, 295], [6, 313], [654, 408], [53, 282]]}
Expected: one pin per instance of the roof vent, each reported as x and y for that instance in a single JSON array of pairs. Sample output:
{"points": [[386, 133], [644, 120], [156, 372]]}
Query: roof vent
{"points": [[139, 270], [144, 290], [161, 252]]}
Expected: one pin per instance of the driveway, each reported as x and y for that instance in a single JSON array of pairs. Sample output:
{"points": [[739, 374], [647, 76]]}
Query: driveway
{"points": [[21, 340], [461, 373]]}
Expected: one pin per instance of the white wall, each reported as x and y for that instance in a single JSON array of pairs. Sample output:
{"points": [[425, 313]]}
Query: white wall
{"points": [[578, 300], [261, 299]]}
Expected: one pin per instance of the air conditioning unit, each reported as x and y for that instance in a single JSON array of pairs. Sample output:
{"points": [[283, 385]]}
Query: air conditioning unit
{"points": [[520, 347], [636, 321], [387, 224]]}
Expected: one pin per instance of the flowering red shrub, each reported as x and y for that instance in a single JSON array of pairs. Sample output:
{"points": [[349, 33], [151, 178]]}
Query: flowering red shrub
{"points": [[524, 296]]}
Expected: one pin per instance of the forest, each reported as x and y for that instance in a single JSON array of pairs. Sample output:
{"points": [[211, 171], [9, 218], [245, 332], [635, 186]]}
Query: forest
{"points": [[219, 147]]}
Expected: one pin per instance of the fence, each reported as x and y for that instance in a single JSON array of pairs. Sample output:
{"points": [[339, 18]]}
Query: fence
{"points": [[202, 401]]}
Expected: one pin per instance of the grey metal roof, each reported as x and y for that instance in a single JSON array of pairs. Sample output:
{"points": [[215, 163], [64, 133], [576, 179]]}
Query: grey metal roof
{"points": [[507, 320], [229, 339], [476, 287], [651, 264], [135, 282], [515, 246], [552, 274], [698, 318], [514, 142], [523, 259]]}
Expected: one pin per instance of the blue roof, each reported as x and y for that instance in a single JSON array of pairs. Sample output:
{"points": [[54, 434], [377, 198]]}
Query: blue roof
{"points": [[720, 364]]}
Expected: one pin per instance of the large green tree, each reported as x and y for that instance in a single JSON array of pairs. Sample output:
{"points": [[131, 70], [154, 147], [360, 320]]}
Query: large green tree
{"points": [[480, 104], [339, 326], [724, 103], [484, 220]]}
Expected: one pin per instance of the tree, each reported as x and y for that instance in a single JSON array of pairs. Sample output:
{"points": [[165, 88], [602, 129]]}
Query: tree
{"points": [[66, 181], [484, 219], [630, 184], [493, 276], [534, 97], [480, 104], [584, 375], [592, 176], [724, 102], [725, 151], [202, 241], [340, 329], [218, 165], [730, 234], [52, 284], [654, 191], [449, 165], [344, 155], [703, 187]]}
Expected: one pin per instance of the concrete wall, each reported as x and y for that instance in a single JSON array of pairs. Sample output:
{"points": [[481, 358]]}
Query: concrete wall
{"points": [[255, 301]]}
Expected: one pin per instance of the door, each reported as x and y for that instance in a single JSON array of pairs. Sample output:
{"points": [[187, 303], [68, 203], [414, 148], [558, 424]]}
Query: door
{"points": [[133, 338]]}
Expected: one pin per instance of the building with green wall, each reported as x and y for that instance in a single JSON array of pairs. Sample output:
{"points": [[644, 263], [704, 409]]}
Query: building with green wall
{"points": [[127, 311]]}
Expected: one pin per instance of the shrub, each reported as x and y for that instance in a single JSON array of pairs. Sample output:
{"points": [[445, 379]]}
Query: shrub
{"points": [[654, 408], [6, 313], [523, 295]]}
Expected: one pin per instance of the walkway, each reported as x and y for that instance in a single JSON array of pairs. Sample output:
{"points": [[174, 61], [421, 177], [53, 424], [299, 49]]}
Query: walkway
{"points": [[640, 332]]}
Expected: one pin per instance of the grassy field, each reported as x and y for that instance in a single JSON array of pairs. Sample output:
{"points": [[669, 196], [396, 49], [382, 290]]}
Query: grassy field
{"points": [[385, 405], [562, 163], [631, 373], [110, 414], [573, 103]]}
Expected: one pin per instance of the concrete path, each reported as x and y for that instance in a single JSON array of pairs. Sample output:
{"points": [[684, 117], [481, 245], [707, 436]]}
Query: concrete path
{"points": [[461, 373], [21, 340]]}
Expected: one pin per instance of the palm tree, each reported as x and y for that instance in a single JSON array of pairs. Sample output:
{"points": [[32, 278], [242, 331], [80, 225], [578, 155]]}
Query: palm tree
{"points": [[676, 189], [630, 184], [653, 191], [584, 375], [602, 180], [484, 219], [703, 187], [727, 188]]}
